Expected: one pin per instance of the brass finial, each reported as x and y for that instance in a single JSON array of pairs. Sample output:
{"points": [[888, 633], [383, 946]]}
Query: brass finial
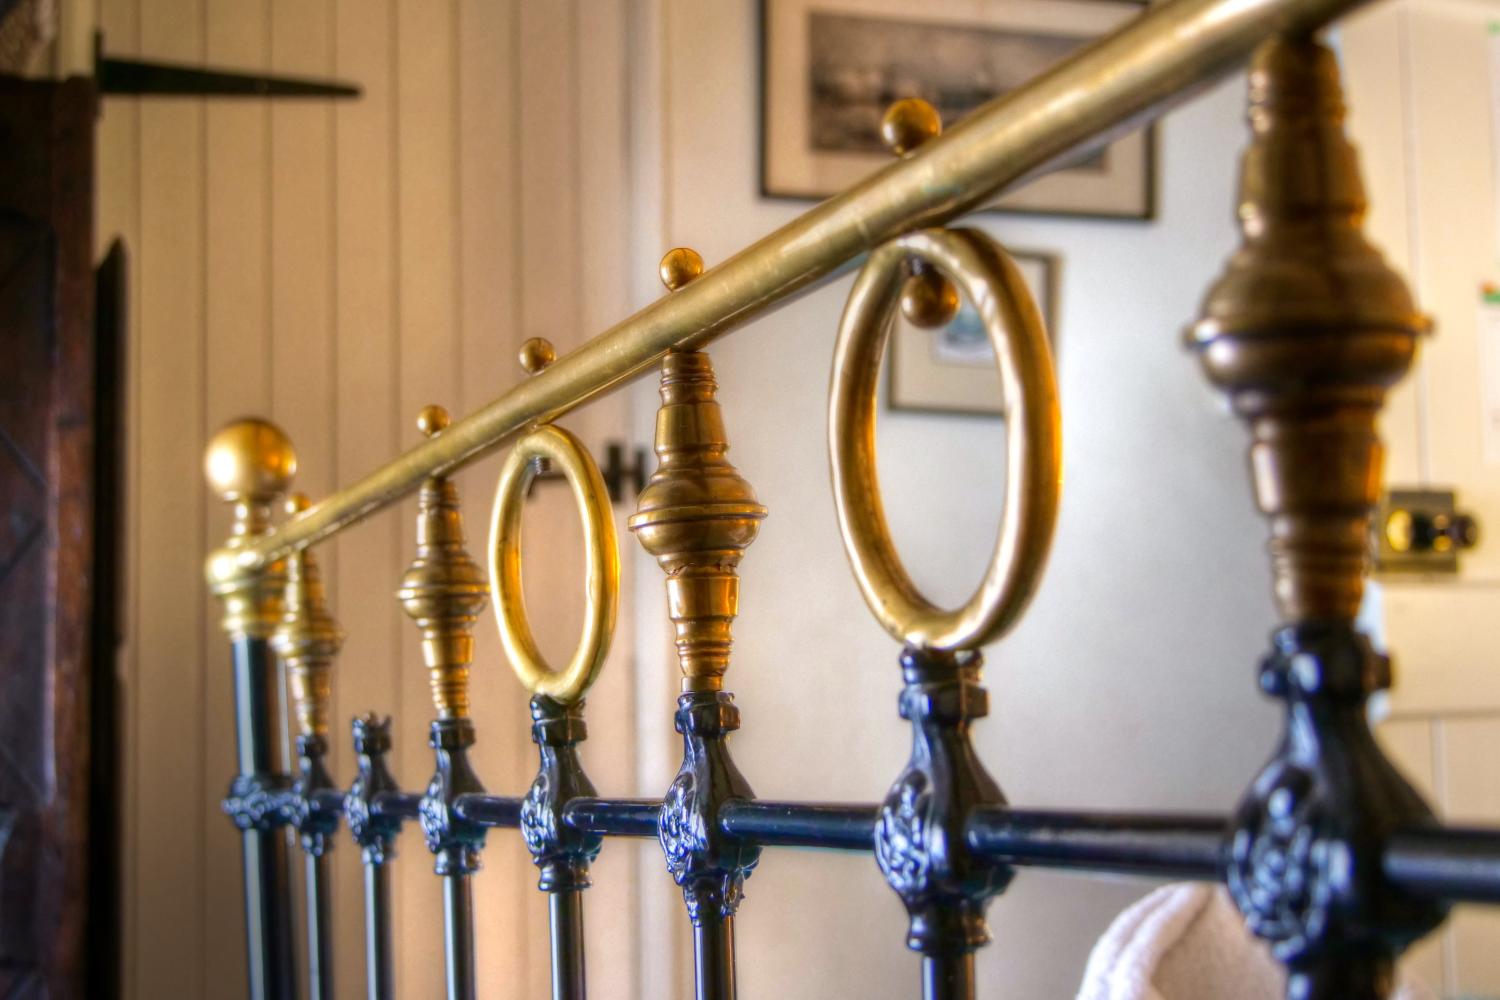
{"points": [[307, 638], [679, 267], [433, 420], [696, 516], [536, 354], [248, 463], [443, 589], [1306, 330], [907, 124]]}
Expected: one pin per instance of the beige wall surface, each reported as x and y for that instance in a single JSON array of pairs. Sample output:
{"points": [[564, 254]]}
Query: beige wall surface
{"points": [[336, 267]]}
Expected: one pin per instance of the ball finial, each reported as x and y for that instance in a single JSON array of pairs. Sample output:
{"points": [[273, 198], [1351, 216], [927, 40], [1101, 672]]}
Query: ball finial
{"points": [[433, 420], [536, 354], [928, 299], [679, 267], [908, 123], [251, 460]]}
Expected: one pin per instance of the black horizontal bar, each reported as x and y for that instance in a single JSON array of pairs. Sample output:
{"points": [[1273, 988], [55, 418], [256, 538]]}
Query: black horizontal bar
{"points": [[613, 817], [402, 804], [1454, 863], [489, 810], [802, 824], [1176, 846], [140, 78]]}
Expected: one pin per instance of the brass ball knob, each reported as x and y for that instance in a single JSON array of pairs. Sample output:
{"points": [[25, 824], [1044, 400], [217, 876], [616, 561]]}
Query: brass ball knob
{"points": [[250, 459], [296, 503], [433, 420], [908, 123], [536, 354], [679, 267], [929, 300]]}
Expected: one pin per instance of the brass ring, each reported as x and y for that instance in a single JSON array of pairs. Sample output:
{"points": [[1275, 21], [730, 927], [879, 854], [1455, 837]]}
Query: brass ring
{"points": [[995, 287], [602, 582]]}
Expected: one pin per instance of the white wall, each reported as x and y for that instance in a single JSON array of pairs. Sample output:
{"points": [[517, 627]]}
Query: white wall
{"points": [[1130, 684]]}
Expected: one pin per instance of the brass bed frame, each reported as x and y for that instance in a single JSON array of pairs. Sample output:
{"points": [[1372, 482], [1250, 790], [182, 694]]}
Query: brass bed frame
{"points": [[1331, 856]]}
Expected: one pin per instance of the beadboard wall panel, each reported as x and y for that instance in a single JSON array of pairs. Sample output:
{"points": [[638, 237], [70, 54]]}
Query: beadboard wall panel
{"points": [[337, 266]]}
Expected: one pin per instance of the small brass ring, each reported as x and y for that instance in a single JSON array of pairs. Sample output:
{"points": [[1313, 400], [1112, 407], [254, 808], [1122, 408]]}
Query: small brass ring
{"points": [[567, 455], [994, 285]]}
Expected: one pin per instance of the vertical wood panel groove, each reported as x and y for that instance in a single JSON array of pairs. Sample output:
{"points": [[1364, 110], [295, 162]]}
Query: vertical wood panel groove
{"points": [[424, 292]]}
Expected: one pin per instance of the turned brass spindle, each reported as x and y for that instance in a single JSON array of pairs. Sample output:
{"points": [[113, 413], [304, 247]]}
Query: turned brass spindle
{"points": [[308, 638], [1306, 330], [443, 590], [697, 515]]}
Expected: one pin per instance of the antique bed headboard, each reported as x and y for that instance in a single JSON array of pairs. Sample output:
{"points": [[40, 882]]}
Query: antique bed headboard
{"points": [[1332, 857]]}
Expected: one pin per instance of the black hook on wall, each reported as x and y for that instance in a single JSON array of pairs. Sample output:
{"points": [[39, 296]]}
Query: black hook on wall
{"points": [[619, 476]]}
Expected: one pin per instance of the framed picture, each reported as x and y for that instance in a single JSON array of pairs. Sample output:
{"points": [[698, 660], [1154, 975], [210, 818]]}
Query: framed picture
{"points": [[830, 68], [952, 369]]}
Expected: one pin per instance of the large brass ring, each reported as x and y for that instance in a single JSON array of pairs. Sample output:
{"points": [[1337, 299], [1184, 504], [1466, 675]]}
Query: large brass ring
{"points": [[995, 287], [566, 454]]}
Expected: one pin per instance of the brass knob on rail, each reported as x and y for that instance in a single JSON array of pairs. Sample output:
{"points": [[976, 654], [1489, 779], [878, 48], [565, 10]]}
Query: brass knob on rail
{"points": [[697, 514], [308, 638], [443, 590], [248, 463]]}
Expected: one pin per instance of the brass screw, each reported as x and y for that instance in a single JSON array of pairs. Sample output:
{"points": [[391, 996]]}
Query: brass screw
{"points": [[433, 420], [679, 267], [536, 354], [909, 123], [297, 503]]}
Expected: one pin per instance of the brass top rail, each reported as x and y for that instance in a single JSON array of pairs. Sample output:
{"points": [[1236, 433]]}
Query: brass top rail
{"points": [[1123, 80]]}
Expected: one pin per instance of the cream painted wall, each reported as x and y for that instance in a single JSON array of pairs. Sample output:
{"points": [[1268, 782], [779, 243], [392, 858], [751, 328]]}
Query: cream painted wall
{"points": [[1131, 681], [335, 268]]}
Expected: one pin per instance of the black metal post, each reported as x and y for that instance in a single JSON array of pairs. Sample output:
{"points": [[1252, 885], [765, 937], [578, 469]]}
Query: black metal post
{"points": [[458, 935], [455, 844], [561, 854], [380, 976], [948, 976], [319, 928], [565, 907], [713, 956], [313, 809], [710, 865], [920, 840], [374, 829], [254, 806]]}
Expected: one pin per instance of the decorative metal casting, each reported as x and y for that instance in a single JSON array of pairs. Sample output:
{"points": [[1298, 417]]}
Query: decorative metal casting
{"points": [[1331, 856]]}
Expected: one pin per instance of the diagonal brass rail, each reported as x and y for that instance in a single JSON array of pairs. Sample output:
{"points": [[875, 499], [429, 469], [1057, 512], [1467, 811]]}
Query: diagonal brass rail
{"points": [[1168, 53]]}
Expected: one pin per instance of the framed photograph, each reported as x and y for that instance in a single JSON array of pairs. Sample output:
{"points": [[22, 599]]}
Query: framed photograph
{"points": [[952, 369], [830, 68]]}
